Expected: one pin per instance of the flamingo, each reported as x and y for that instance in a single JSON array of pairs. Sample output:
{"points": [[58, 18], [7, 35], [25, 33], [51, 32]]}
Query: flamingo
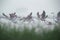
{"points": [[58, 17], [38, 15], [12, 17], [42, 17], [28, 18]]}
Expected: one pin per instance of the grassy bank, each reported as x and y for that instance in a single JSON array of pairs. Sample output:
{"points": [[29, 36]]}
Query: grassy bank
{"points": [[7, 33]]}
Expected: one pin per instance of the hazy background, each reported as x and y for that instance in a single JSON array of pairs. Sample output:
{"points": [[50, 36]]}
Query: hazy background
{"points": [[24, 7]]}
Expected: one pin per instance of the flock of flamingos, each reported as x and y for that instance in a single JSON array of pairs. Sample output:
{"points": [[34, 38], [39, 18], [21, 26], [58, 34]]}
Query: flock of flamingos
{"points": [[30, 18]]}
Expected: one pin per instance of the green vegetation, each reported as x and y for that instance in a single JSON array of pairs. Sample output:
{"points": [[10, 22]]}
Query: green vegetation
{"points": [[7, 33]]}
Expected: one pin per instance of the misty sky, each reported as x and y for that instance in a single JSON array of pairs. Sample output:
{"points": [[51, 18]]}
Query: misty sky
{"points": [[24, 7]]}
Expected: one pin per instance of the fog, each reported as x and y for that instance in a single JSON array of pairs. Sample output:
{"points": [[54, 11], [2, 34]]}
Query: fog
{"points": [[24, 7]]}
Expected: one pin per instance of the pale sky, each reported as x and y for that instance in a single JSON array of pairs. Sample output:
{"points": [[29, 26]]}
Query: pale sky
{"points": [[24, 7]]}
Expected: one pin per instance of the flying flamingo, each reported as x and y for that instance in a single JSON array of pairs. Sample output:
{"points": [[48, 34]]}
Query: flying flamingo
{"points": [[28, 18]]}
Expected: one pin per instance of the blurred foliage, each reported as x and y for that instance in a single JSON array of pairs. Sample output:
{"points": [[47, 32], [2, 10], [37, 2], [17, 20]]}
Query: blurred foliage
{"points": [[15, 34]]}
